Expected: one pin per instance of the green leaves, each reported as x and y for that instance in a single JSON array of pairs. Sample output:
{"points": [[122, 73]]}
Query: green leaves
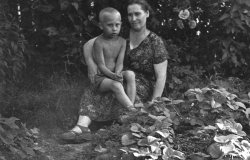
{"points": [[10, 122], [214, 150], [247, 112], [224, 16], [152, 140], [227, 107], [231, 126], [12, 47], [135, 127], [18, 139], [127, 139], [227, 138], [44, 8], [217, 98], [230, 145], [169, 153]]}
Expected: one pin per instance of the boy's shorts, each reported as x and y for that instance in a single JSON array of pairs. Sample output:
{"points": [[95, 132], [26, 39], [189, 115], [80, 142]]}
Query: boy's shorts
{"points": [[98, 80]]}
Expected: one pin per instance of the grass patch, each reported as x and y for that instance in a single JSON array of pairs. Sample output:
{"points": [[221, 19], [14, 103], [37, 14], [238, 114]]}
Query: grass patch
{"points": [[45, 100]]}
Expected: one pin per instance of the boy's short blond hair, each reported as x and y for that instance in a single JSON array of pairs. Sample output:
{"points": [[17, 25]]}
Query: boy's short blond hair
{"points": [[108, 10]]}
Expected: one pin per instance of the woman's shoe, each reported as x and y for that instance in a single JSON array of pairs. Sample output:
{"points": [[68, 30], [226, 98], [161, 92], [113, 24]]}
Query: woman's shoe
{"points": [[75, 137]]}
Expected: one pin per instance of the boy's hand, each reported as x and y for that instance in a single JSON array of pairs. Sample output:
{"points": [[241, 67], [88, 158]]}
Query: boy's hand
{"points": [[118, 77]]}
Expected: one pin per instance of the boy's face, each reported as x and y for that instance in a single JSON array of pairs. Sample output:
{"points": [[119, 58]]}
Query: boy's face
{"points": [[111, 24]]}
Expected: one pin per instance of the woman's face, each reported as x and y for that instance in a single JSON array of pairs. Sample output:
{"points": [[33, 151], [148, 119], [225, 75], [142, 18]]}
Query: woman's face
{"points": [[137, 17]]}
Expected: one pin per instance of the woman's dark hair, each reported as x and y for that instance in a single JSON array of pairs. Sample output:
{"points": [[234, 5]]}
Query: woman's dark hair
{"points": [[143, 3]]}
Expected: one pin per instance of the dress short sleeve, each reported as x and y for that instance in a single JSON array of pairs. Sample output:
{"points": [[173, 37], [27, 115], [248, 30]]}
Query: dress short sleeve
{"points": [[160, 52]]}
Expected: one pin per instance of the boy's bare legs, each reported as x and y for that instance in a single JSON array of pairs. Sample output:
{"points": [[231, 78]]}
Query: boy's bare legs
{"points": [[129, 77], [117, 89]]}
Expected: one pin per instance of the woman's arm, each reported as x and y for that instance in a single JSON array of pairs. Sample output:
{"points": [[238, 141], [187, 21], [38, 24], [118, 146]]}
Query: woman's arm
{"points": [[87, 52], [160, 75], [160, 66], [120, 59]]}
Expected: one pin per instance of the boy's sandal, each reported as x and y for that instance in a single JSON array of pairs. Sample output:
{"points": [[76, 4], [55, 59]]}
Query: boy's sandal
{"points": [[131, 113], [125, 116], [132, 109], [75, 137]]}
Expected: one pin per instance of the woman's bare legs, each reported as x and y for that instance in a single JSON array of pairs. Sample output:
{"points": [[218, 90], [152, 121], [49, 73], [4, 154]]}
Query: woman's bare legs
{"points": [[75, 134], [83, 121]]}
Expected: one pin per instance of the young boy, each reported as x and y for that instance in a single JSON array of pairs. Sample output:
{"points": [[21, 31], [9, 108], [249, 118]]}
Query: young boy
{"points": [[108, 53]]}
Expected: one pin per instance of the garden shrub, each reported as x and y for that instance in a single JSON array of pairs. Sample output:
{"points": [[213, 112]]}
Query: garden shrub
{"points": [[208, 123], [209, 41], [12, 46]]}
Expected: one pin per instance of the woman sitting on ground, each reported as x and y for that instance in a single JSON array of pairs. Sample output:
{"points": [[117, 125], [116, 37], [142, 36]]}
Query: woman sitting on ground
{"points": [[146, 56]]}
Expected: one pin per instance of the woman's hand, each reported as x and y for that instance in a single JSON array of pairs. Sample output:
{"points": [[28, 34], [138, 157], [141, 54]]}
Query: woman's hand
{"points": [[91, 74]]}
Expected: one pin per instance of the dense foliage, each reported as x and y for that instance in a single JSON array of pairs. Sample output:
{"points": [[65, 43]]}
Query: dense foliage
{"points": [[203, 36], [205, 39], [17, 138], [207, 124], [12, 57]]}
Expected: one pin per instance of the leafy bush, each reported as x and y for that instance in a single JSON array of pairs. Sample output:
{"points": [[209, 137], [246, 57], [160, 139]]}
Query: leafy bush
{"points": [[211, 36], [12, 57], [16, 139], [218, 101], [233, 23], [59, 30], [207, 123]]}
